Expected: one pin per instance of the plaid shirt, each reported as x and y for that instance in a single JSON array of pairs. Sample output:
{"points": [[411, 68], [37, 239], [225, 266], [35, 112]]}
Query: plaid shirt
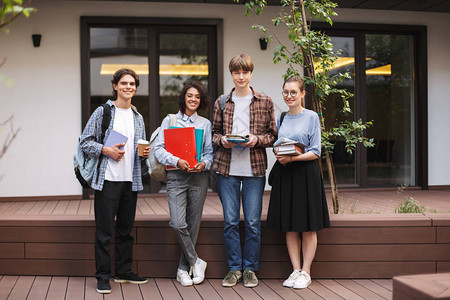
{"points": [[89, 143], [262, 125]]}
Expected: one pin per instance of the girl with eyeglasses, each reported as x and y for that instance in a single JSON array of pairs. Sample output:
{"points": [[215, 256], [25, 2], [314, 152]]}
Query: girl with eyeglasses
{"points": [[298, 204]]}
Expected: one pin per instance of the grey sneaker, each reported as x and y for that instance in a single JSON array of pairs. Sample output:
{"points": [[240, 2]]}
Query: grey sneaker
{"points": [[232, 278], [250, 279]]}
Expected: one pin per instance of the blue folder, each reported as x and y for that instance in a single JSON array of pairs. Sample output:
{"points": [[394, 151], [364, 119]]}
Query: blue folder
{"points": [[198, 142]]}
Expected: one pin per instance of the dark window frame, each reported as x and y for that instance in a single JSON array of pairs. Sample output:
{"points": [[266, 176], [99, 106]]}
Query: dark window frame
{"points": [[419, 34], [155, 26]]}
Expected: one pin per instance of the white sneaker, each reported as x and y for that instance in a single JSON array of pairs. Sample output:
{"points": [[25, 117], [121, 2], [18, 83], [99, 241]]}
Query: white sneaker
{"points": [[184, 278], [290, 281], [198, 271], [302, 281]]}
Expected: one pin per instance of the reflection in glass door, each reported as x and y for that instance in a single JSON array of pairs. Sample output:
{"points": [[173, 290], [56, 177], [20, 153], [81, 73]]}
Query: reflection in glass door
{"points": [[382, 80], [390, 104], [344, 162], [112, 49], [182, 57]]}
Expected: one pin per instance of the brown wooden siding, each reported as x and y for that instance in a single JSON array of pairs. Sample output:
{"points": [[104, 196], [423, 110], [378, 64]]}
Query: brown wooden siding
{"points": [[49, 238]]}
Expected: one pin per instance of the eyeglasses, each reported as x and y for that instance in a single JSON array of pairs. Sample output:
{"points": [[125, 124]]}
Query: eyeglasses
{"points": [[292, 93]]}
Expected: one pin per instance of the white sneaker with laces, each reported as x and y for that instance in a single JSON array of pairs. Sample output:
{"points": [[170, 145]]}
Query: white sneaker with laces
{"points": [[291, 279], [302, 281], [184, 278], [198, 271]]}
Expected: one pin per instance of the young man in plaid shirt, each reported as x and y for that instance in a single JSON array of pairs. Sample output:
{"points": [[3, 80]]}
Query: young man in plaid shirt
{"points": [[241, 168]]}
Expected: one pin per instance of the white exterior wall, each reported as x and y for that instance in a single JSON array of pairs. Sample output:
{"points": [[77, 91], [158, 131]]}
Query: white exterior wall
{"points": [[46, 96]]}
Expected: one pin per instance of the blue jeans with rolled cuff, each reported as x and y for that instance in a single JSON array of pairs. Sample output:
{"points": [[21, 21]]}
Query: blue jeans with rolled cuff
{"points": [[230, 190]]}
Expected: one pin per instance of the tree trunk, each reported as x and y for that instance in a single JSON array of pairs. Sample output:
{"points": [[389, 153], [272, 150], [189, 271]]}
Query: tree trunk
{"points": [[333, 184], [318, 108]]}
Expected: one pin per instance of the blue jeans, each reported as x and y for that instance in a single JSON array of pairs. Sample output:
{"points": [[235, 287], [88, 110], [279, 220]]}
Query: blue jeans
{"points": [[229, 189]]}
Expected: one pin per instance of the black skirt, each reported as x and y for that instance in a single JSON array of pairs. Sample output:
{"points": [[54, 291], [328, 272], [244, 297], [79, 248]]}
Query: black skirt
{"points": [[297, 201]]}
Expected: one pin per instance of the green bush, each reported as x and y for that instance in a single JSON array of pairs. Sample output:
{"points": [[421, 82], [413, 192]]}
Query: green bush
{"points": [[410, 206]]}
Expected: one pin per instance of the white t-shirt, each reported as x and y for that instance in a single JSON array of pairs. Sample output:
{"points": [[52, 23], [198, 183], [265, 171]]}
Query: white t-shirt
{"points": [[123, 170], [240, 156]]}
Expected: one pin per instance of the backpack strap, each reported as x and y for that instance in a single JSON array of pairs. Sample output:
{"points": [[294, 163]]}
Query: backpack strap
{"points": [[173, 120], [283, 114], [106, 119], [222, 102], [223, 99]]}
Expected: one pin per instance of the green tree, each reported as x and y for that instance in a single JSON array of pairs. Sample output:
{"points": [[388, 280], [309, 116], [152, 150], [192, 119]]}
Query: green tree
{"points": [[11, 10], [311, 53]]}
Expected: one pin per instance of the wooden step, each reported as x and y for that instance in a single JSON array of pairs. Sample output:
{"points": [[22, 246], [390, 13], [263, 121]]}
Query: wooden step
{"points": [[357, 246]]}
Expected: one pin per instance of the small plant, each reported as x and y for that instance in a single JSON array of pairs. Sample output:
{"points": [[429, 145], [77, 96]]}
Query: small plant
{"points": [[410, 206], [401, 188]]}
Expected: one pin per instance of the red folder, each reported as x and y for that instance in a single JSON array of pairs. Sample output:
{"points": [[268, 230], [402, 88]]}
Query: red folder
{"points": [[181, 143]]}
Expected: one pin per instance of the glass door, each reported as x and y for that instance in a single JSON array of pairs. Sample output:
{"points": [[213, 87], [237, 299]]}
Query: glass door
{"points": [[165, 58], [382, 81], [390, 104], [344, 162]]}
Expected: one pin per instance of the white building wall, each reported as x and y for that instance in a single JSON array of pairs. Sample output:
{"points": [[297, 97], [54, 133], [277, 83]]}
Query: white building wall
{"points": [[46, 96]]}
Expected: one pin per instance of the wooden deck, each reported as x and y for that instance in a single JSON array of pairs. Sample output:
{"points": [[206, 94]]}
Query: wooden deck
{"points": [[79, 288], [355, 202], [54, 237]]}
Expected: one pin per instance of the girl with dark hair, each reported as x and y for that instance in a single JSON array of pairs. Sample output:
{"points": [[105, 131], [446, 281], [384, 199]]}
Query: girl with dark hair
{"points": [[297, 200], [187, 185]]}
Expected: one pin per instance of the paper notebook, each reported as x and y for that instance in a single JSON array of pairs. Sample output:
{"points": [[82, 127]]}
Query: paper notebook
{"points": [[236, 138], [115, 138]]}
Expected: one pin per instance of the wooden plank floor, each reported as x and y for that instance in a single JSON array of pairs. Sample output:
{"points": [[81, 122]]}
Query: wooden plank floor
{"points": [[360, 202], [83, 288]]}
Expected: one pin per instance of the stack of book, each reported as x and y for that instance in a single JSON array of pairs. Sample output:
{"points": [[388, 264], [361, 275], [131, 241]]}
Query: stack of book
{"points": [[285, 146], [292, 149]]}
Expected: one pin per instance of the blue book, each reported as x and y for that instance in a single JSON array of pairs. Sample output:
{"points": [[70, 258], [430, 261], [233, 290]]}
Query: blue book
{"points": [[115, 138], [198, 142]]}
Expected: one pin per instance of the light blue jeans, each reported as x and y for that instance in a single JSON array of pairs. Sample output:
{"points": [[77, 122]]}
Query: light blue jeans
{"points": [[229, 189]]}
